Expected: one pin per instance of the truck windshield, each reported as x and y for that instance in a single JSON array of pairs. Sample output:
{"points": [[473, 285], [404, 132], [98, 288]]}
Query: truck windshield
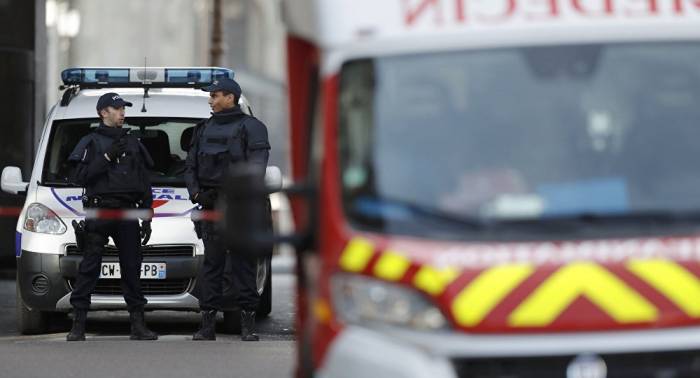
{"points": [[520, 135], [165, 139]]}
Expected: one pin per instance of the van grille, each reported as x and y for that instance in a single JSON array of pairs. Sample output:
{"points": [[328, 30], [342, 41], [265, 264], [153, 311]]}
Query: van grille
{"points": [[148, 287], [146, 251]]}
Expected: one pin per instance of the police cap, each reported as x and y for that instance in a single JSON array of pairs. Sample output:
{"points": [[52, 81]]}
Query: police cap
{"points": [[224, 84], [111, 99]]}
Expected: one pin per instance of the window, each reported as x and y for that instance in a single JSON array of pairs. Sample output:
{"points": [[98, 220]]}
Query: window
{"points": [[526, 134], [165, 139]]}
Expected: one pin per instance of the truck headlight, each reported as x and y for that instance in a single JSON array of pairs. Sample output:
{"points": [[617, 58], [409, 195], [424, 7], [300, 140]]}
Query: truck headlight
{"points": [[363, 300], [41, 219]]}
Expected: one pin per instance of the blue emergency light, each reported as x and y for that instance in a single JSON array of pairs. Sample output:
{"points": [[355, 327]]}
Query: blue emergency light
{"points": [[143, 77]]}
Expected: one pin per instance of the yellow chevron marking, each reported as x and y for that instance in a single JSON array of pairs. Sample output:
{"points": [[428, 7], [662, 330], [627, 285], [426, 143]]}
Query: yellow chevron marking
{"points": [[603, 288], [391, 266], [322, 311], [434, 281], [672, 280], [488, 289], [356, 255]]}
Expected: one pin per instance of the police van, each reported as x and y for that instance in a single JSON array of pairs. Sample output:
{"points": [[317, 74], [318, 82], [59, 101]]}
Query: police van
{"points": [[168, 103]]}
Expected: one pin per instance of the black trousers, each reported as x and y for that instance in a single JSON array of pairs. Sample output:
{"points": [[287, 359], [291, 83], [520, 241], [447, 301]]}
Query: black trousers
{"points": [[128, 241], [211, 276]]}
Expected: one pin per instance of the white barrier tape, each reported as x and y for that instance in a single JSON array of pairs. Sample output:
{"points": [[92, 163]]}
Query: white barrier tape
{"points": [[206, 215], [122, 214], [118, 214], [10, 211]]}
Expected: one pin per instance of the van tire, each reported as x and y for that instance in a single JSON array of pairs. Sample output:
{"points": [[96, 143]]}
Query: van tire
{"points": [[232, 319], [30, 322], [265, 305]]}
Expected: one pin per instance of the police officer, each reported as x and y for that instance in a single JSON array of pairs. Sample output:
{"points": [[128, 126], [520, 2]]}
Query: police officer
{"points": [[112, 167], [228, 137]]}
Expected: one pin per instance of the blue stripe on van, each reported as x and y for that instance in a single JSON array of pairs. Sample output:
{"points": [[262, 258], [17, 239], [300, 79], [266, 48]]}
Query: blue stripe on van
{"points": [[18, 244]]}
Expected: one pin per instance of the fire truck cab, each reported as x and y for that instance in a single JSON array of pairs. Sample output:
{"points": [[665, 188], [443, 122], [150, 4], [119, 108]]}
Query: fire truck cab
{"points": [[505, 188]]}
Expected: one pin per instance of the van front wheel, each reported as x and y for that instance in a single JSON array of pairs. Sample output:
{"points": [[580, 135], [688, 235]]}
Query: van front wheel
{"points": [[232, 319], [264, 282], [30, 321]]}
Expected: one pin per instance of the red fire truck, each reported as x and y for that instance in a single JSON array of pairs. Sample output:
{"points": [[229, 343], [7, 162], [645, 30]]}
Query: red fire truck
{"points": [[503, 188]]}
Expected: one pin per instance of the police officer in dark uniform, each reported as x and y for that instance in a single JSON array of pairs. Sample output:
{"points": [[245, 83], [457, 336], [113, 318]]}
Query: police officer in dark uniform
{"points": [[112, 166], [227, 138]]}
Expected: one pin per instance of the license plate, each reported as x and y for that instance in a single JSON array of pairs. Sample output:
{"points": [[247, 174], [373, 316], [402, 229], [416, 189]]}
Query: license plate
{"points": [[152, 271]]}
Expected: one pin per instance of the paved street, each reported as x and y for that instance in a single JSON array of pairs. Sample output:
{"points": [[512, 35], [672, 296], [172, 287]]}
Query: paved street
{"points": [[108, 351]]}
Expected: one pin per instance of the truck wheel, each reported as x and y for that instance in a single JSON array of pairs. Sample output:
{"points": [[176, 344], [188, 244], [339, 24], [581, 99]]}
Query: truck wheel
{"points": [[264, 288], [30, 321]]}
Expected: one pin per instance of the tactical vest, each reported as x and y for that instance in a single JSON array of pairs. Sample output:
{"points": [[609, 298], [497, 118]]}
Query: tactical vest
{"points": [[124, 176], [219, 146]]}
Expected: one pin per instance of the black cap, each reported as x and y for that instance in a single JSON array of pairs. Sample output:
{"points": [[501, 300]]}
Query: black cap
{"points": [[224, 84], [111, 99]]}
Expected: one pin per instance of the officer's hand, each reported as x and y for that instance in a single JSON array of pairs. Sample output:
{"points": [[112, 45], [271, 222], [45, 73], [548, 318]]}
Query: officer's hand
{"points": [[121, 143], [207, 198], [145, 231]]}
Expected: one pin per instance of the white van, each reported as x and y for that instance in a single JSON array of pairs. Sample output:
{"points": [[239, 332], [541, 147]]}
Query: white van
{"points": [[168, 103]]}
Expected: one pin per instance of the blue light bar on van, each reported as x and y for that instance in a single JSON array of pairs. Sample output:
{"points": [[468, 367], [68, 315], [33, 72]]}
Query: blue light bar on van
{"points": [[138, 77]]}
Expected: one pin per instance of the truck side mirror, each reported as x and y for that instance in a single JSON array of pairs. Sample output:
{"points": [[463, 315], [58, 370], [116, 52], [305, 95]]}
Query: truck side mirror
{"points": [[11, 181]]}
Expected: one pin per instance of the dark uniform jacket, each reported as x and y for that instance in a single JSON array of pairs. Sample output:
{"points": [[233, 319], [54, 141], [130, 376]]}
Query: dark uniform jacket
{"points": [[124, 181], [226, 138]]}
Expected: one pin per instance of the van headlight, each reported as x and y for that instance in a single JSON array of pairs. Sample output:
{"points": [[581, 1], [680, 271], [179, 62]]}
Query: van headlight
{"points": [[363, 300], [40, 218]]}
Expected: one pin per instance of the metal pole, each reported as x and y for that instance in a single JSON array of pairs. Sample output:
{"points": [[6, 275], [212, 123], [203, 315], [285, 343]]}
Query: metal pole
{"points": [[216, 36]]}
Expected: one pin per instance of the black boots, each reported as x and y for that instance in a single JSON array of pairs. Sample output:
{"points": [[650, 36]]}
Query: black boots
{"points": [[248, 326], [138, 327], [207, 331], [77, 332]]}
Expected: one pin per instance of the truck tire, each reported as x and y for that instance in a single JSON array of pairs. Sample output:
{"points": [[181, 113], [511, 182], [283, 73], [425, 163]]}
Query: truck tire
{"points": [[30, 322]]}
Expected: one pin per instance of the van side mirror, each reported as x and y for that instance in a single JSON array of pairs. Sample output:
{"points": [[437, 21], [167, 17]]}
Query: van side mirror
{"points": [[273, 179], [11, 181]]}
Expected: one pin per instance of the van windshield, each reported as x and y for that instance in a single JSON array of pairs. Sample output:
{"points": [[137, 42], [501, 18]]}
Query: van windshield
{"points": [[165, 139], [520, 135]]}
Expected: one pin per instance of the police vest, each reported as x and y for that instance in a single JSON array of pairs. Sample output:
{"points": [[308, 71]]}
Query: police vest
{"points": [[126, 175], [219, 146]]}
